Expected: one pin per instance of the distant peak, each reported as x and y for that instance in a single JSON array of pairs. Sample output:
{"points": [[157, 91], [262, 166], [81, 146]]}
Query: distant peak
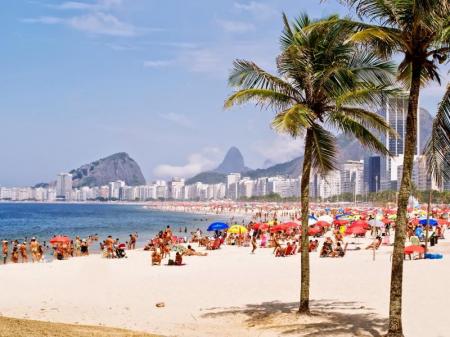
{"points": [[233, 162]]}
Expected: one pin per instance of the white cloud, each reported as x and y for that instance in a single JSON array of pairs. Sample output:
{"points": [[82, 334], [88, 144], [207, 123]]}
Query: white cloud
{"points": [[179, 119], [97, 5], [48, 20], [280, 148], [206, 160], [95, 23], [157, 63], [101, 23], [258, 10], [235, 26]]}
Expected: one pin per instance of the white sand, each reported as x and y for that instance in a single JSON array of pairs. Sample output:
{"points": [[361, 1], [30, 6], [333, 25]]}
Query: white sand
{"points": [[230, 293]]}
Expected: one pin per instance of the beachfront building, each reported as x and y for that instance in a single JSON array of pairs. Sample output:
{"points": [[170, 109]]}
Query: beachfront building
{"points": [[372, 173], [114, 189], [64, 186], [284, 187], [233, 185], [176, 189], [352, 177]]}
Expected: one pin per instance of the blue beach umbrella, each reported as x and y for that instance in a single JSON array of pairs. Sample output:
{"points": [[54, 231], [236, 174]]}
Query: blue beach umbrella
{"points": [[217, 226], [431, 222]]}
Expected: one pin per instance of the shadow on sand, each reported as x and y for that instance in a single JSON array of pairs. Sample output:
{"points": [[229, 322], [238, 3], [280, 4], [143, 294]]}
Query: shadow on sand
{"points": [[328, 318]]}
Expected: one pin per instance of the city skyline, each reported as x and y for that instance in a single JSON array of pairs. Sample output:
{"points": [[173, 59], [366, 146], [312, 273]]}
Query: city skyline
{"points": [[129, 78]]}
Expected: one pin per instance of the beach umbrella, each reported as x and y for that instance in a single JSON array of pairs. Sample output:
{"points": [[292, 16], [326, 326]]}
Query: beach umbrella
{"points": [[359, 223], [340, 222], [314, 230], [217, 226], [290, 224], [414, 249], [442, 221], [322, 223], [355, 230], [237, 229], [59, 239], [431, 221], [261, 226]]}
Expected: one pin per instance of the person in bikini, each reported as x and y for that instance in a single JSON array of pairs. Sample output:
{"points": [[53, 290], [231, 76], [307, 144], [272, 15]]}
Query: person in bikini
{"points": [[109, 243], [5, 250], [34, 245], [23, 252], [15, 253]]}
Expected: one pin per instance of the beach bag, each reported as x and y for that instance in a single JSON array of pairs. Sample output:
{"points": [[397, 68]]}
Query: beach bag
{"points": [[171, 262]]}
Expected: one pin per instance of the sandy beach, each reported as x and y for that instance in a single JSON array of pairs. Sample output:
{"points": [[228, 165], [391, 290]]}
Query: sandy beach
{"points": [[229, 293]]}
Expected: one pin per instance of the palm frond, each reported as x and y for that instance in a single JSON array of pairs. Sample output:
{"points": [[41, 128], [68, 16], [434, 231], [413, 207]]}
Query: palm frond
{"points": [[437, 150], [293, 121], [323, 149], [353, 127], [264, 98]]}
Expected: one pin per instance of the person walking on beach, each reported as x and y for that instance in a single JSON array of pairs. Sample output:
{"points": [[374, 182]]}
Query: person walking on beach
{"points": [[5, 250]]}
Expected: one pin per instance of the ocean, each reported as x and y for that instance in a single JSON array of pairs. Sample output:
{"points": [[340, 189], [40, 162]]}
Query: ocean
{"points": [[25, 220]]}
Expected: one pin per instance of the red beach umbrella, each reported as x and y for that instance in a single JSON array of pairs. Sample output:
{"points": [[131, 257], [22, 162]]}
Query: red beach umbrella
{"points": [[340, 222], [359, 223], [314, 230], [322, 224], [355, 230], [412, 249], [59, 239]]}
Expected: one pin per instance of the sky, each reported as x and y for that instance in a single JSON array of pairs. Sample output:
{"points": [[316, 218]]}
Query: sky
{"points": [[83, 79]]}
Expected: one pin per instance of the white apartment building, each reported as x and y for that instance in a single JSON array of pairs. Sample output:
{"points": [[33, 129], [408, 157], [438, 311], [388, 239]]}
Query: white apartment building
{"points": [[64, 186], [233, 185], [114, 189], [352, 177]]}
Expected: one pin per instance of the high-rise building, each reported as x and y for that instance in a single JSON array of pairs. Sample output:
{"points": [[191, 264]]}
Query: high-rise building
{"points": [[372, 173], [233, 185], [63, 186], [175, 188], [114, 189], [352, 177], [395, 111]]}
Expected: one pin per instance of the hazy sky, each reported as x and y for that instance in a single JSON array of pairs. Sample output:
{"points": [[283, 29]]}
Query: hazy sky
{"points": [[83, 79]]}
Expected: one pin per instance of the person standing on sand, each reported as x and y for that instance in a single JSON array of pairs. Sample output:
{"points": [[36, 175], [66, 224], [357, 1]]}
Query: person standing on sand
{"points": [[34, 245], [254, 245], [109, 243], [23, 252], [132, 243], [5, 250]]}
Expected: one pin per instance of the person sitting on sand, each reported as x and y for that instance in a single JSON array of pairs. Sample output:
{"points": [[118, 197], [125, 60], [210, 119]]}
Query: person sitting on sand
{"points": [[375, 244], [178, 259], [327, 248], [338, 251], [156, 257]]}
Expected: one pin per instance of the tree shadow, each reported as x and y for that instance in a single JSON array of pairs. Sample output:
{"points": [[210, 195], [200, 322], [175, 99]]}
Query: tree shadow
{"points": [[328, 318]]}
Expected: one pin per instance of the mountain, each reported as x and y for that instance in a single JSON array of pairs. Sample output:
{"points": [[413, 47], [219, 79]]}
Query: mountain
{"points": [[119, 166], [232, 163], [349, 149]]}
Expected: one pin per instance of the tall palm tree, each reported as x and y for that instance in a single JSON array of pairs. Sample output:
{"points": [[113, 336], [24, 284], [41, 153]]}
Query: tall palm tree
{"points": [[419, 31], [322, 83]]}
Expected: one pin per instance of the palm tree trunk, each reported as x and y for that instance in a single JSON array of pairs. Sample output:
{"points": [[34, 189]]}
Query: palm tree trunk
{"points": [[306, 171], [395, 304]]}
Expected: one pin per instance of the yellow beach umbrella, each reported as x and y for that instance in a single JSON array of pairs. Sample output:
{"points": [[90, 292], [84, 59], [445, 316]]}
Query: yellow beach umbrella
{"points": [[237, 229]]}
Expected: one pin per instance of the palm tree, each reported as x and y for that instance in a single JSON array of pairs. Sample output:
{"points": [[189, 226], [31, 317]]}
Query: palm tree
{"points": [[419, 31], [322, 83]]}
